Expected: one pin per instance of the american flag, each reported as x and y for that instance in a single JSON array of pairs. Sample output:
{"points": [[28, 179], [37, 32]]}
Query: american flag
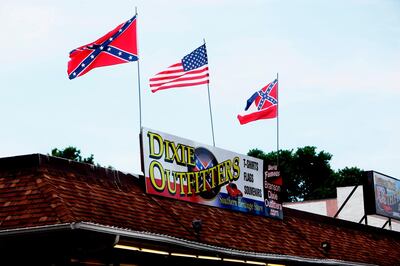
{"points": [[192, 70]]}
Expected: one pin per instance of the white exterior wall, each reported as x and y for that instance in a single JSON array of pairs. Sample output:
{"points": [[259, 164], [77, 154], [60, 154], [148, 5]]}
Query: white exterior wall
{"points": [[353, 210], [317, 206]]}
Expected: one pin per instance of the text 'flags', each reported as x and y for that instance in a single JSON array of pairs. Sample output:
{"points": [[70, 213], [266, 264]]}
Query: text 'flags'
{"points": [[265, 104], [192, 70], [116, 47]]}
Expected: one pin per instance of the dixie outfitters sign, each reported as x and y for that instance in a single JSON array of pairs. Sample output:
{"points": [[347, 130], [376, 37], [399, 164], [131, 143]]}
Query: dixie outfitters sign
{"points": [[182, 169]]}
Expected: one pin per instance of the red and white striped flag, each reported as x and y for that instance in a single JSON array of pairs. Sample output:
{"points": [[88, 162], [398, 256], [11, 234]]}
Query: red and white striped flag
{"points": [[265, 104], [192, 70]]}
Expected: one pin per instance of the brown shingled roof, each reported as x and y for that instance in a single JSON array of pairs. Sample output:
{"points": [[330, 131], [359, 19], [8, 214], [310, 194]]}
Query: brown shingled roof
{"points": [[38, 190]]}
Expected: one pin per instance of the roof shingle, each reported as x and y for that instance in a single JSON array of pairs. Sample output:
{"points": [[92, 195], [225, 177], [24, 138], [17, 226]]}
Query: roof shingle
{"points": [[39, 190]]}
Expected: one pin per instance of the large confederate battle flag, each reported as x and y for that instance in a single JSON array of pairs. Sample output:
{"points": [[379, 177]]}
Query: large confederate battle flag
{"points": [[265, 104], [116, 47]]}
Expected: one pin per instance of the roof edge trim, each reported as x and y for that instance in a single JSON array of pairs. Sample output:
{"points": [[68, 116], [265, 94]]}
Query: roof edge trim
{"points": [[176, 241], [208, 248]]}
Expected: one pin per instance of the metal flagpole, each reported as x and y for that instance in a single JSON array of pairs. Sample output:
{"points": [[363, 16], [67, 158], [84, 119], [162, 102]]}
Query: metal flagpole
{"points": [[277, 121], [209, 104], [139, 90], [138, 74]]}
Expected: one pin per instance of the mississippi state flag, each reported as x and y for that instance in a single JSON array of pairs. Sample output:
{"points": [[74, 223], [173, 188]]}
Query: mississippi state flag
{"points": [[116, 47], [263, 103]]}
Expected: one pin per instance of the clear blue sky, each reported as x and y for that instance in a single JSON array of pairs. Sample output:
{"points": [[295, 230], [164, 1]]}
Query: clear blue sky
{"points": [[338, 64]]}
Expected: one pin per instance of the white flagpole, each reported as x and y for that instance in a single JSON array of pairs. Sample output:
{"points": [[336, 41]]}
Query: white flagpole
{"points": [[277, 121], [209, 104], [138, 75]]}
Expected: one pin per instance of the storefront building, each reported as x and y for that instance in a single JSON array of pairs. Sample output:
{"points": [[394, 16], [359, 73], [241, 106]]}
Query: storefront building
{"points": [[58, 212]]}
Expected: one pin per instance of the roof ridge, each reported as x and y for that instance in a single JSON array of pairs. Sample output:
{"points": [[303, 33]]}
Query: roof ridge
{"points": [[38, 160]]}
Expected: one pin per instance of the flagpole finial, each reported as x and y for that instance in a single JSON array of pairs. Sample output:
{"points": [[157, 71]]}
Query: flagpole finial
{"points": [[136, 11]]}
